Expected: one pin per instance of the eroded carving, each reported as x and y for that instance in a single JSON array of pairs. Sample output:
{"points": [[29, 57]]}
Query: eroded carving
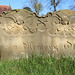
{"points": [[72, 19], [62, 17]]}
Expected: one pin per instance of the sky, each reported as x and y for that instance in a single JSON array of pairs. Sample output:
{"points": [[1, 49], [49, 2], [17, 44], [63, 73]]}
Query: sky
{"points": [[19, 4]]}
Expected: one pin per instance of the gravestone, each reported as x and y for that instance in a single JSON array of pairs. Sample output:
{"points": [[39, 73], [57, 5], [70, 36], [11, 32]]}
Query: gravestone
{"points": [[24, 33]]}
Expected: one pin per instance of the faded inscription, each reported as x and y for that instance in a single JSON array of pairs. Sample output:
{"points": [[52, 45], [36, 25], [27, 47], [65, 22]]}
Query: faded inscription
{"points": [[31, 46]]}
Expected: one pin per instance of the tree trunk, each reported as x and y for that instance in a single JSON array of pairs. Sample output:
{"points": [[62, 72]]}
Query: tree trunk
{"points": [[54, 6]]}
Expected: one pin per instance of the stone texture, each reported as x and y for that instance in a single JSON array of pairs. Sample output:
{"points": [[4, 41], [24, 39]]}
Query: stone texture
{"points": [[23, 33], [64, 16]]}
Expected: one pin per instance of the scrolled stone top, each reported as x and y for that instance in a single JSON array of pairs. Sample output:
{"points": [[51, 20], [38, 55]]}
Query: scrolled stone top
{"points": [[20, 21]]}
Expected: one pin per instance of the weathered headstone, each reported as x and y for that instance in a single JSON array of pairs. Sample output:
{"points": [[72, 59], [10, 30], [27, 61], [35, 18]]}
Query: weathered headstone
{"points": [[23, 33]]}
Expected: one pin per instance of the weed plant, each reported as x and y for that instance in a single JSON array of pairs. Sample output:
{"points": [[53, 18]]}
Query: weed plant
{"points": [[38, 65]]}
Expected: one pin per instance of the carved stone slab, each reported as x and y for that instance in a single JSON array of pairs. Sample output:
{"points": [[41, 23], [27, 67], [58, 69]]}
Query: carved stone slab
{"points": [[23, 33]]}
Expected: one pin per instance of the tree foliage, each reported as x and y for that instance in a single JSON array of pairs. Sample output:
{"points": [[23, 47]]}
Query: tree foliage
{"points": [[27, 8], [10, 5], [36, 5]]}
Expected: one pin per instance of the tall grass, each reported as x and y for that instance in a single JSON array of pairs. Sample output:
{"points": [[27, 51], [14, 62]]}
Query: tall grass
{"points": [[38, 65]]}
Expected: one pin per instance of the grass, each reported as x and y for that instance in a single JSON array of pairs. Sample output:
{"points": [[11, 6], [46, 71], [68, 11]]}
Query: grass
{"points": [[38, 65]]}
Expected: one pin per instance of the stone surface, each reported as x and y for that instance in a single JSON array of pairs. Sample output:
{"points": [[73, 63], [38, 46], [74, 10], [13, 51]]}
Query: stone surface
{"points": [[23, 33]]}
